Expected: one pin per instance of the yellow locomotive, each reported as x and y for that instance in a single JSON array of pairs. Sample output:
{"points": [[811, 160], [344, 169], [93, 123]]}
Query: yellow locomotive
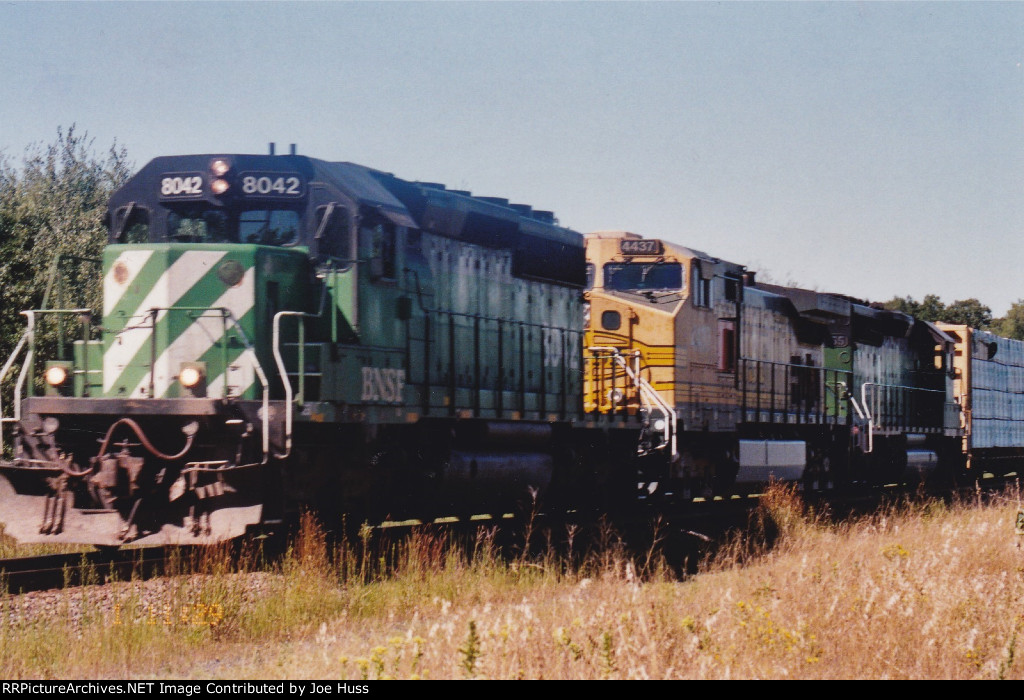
{"points": [[739, 382]]}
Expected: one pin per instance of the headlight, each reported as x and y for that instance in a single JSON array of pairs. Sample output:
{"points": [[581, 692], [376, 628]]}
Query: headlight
{"points": [[659, 425], [219, 186], [56, 375], [190, 376], [220, 167]]}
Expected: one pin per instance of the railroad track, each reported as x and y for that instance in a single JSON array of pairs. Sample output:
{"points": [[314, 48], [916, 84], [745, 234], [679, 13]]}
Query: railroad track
{"points": [[37, 573], [684, 528]]}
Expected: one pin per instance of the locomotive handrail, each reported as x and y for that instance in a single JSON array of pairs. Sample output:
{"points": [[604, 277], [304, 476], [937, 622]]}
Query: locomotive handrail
{"points": [[805, 393], [3, 375], [275, 348], [283, 371], [27, 339], [648, 395], [52, 273], [871, 424], [861, 413], [26, 368]]}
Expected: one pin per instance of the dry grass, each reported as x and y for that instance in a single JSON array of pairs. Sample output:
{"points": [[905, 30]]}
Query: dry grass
{"points": [[9, 549], [918, 591]]}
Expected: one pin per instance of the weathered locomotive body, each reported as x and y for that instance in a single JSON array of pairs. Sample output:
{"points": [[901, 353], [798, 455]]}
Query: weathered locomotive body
{"points": [[280, 330], [277, 332], [761, 381]]}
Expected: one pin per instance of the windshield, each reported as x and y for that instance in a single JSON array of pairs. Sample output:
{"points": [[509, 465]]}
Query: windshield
{"points": [[269, 226], [275, 227], [199, 227], [642, 276]]}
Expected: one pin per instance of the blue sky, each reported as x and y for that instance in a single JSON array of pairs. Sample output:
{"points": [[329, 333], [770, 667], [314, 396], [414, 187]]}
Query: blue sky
{"points": [[873, 149]]}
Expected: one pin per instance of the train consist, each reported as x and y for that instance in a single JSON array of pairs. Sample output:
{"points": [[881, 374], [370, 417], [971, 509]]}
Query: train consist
{"points": [[279, 332]]}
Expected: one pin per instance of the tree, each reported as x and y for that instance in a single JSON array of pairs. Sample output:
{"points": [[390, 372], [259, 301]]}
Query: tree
{"points": [[930, 309], [907, 305], [1012, 324], [969, 312], [54, 204]]}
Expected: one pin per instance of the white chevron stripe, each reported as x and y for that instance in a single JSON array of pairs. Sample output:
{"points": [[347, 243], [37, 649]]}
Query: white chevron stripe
{"points": [[180, 277], [200, 336], [132, 260], [240, 376]]}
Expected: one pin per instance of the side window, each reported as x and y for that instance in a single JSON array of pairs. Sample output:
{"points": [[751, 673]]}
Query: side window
{"points": [[701, 285], [131, 224], [383, 262], [332, 233], [732, 287], [611, 320], [590, 275]]}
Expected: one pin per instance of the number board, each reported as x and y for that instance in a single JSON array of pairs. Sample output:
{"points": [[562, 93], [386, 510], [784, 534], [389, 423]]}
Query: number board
{"points": [[633, 246], [262, 184], [181, 186]]}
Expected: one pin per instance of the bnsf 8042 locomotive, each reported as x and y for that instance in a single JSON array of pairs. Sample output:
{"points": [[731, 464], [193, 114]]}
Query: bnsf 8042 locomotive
{"points": [[280, 330]]}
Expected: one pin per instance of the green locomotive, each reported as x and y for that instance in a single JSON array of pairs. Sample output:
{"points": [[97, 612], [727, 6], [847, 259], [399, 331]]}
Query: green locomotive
{"points": [[279, 330]]}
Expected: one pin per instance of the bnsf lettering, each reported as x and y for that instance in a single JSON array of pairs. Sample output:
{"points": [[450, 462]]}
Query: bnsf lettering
{"points": [[383, 384]]}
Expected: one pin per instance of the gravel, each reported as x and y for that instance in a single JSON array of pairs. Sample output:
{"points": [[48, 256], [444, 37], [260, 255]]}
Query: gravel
{"points": [[175, 600]]}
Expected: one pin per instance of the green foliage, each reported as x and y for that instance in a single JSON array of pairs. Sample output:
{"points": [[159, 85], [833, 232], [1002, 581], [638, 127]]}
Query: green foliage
{"points": [[52, 205], [970, 312], [930, 308], [470, 650], [1012, 324]]}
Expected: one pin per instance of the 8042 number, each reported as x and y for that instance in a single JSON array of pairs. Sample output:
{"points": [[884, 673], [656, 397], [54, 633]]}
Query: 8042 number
{"points": [[181, 186], [269, 185]]}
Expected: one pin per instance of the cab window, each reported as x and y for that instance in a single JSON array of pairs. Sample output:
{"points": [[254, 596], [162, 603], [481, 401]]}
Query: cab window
{"points": [[701, 285], [332, 233], [380, 236], [198, 226], [131, 224], [643, 276], [276, 227]]}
